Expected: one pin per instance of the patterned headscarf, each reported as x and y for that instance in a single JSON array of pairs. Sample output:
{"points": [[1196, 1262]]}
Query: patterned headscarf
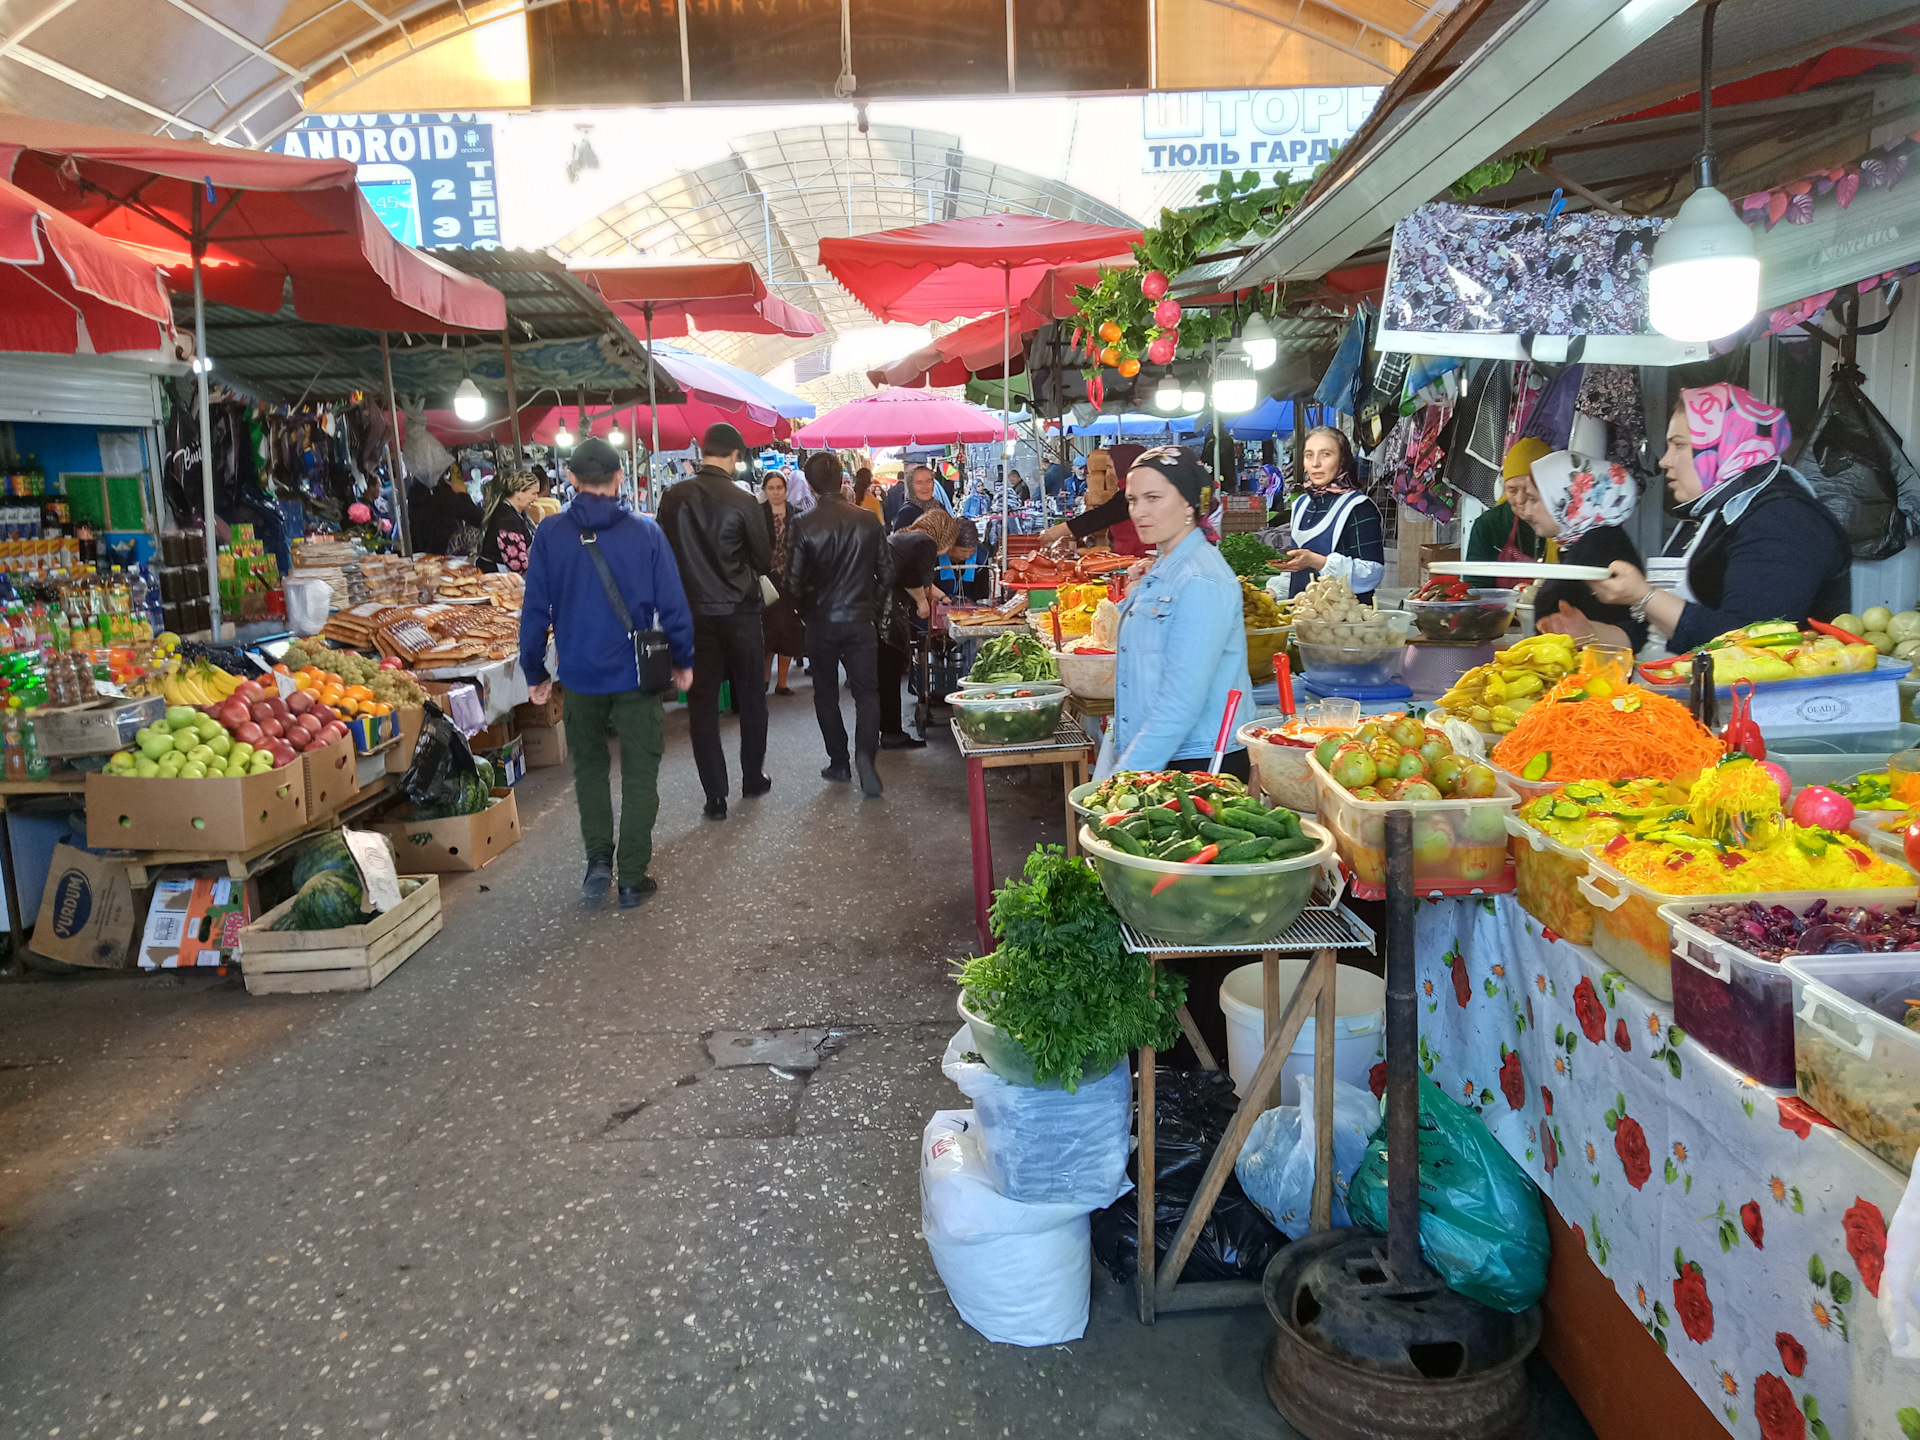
{"points": [[507, 484], [1732, 431], [940, 525], [1584, 493]]}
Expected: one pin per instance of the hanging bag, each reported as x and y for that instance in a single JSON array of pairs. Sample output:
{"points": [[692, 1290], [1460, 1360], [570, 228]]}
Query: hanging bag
{"points": [[652, 655], [1855, 462]]}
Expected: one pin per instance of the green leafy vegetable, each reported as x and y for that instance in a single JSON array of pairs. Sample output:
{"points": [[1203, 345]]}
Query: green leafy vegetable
{"points": [[1061, 982], [1007, 658], [1247, 557], [1487, 175]]}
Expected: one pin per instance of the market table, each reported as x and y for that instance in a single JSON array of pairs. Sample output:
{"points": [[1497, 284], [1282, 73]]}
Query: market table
{"points": [[1067, 748], [1744, 1233]]}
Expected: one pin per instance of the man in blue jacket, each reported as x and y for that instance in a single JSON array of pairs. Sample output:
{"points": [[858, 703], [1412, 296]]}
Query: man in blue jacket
{"points": [[565, 594]]}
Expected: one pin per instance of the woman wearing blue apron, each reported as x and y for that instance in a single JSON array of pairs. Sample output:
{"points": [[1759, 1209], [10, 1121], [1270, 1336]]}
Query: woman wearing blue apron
{"points": [[1336, 528]]}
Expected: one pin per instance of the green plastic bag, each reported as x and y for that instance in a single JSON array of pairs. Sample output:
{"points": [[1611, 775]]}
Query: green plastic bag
{"points": [[1481, 1225]]}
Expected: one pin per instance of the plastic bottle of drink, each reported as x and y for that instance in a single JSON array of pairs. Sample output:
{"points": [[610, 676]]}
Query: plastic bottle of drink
{"points": [[16, 752]]}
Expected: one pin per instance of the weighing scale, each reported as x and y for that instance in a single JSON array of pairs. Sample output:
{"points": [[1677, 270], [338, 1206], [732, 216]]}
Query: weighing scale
{"points": [[1374, 699]]}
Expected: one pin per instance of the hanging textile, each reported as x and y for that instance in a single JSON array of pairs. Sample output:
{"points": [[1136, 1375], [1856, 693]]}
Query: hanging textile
{"points": [[1552, 416], [1419, 483], [1480, 432], [1343, 376], [1611, 393]]}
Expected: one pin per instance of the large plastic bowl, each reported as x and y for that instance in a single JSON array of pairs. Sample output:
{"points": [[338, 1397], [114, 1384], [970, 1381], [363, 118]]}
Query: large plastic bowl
{"points": [[1386, 628], [1285, 776], [1078, 797], [1003, 717], [1465, 621], [1209, 904], [1089, 677], [1262, 646], [1353, 664]]}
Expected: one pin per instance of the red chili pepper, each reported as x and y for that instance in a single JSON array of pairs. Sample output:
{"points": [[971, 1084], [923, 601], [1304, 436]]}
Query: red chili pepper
{"points": [[1202, 806], [1206, 854], [1678, 861], [1732, 861], [1861, 859], [1171, 805], [1116, 817], [1846, 637], [1617, 844]]}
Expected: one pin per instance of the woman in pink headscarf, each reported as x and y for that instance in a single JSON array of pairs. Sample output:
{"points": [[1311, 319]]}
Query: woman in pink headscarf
{"points": [[1755, 541]]}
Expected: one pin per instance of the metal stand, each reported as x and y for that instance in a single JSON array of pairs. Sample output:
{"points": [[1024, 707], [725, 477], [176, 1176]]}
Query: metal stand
{"points": [[1067, 748]]}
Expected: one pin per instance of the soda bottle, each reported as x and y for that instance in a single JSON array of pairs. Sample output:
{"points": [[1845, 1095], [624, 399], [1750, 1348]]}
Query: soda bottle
{"points": [[16, 752]]}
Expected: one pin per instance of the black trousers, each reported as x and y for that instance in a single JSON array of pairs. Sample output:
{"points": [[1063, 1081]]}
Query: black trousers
{"points": [[723, 646], [893, 669], [852, 643]]}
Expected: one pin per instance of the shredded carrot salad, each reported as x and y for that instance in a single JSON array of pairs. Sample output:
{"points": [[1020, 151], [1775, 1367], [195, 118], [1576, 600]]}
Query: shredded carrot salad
{"points": [[1628, 733]]}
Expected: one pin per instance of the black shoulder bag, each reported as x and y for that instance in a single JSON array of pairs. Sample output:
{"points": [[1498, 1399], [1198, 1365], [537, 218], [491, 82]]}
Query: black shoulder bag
{"points": [[652, 655]]}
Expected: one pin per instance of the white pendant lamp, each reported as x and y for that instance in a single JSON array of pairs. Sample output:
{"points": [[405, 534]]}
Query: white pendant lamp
{"points": [[468, 403], [1234, 389], [616, 437], [1193, 401], [1259, 341], [563, 437], [1704, 282], [1167, 398]]}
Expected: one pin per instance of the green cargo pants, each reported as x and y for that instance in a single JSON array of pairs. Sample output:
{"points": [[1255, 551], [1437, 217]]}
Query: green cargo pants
{"points": [[640, 722]]}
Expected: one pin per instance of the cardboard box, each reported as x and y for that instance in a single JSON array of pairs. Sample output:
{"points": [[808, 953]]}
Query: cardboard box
{"points": [[94, 727], [1431, 553], [509, 762], [494, 736], [540, 717], [213, 817], [370, 732], [332, 777], [400, 758], [368, 771], [545, 748], [87, 912], [193, 923], [459, 842]]}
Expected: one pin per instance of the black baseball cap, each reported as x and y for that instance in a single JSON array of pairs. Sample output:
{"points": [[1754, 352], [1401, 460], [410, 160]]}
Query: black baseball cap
{"points": [[594, 459], [722, 439]]}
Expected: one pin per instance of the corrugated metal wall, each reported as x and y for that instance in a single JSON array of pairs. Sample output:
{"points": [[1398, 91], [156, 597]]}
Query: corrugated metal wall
{"points": [[77, 390]]}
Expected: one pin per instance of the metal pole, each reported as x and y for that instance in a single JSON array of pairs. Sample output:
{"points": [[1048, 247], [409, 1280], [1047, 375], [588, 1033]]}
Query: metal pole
{"points": [[653, 403], [1404, 1261], [396, 462], [1006, 409], [513, 394], [206, 422]]}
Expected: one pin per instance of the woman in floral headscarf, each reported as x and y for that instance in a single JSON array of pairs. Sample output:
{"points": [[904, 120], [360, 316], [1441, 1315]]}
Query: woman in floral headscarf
{"points": [[1756, 543], [1579, 502]]}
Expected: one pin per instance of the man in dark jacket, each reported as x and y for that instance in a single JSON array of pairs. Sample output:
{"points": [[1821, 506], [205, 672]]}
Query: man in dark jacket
{"points": [[720, 539], [566, 595], [837, 571]]}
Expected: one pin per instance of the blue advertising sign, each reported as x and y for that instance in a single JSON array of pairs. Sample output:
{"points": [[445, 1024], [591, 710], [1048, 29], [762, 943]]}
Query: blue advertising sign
{"points": [[1213, 130], [429, 178]]}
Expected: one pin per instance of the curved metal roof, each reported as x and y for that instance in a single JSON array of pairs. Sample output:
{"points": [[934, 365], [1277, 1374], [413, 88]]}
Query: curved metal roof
{"points": [[780, 193]]}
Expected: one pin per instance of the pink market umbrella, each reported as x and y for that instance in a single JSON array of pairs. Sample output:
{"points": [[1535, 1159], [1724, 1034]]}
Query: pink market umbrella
{"points": [[947, 270], [680, 425], [901, 417]]}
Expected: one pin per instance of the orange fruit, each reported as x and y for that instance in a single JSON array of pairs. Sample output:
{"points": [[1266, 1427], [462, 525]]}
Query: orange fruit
{"points": [[379, 710], [359, 692]]}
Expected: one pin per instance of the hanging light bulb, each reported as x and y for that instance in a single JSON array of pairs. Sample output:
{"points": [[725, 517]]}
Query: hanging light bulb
{"points": [[1193, 401], [1705, 278], [1167, 397], [616, 437], [563, 437], [1259, 341], [1234, 390], [468, 403]]}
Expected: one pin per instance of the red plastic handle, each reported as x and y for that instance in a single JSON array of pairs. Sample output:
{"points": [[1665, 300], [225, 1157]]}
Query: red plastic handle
{"points": [[1226, 722]]}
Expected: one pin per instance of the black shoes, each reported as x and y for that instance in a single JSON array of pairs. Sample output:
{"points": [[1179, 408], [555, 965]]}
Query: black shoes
{"points": [[869, 776], [751, 788], [782, 690], [593, 889], [716, 810], [632, 895], [900, 740], [838, 773]]}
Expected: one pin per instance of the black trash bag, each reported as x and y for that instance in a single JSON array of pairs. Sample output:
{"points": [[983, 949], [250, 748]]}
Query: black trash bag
{"points": [[1191, 1112], [442, 772], [1855, 462]]}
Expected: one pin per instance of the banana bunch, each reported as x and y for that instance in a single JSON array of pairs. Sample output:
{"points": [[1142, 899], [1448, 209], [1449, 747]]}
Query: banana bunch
{"points": [[197, 684], [1495, 695]]}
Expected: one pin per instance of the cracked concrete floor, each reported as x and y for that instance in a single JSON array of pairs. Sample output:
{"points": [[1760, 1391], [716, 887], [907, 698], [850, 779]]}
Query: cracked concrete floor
{"points": [[553, 1178]]}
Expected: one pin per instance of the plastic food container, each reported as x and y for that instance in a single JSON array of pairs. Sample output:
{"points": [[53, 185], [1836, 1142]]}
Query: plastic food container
{"points": [[1209, 904], [1822, 760], [1889, 844], [1387, 628], [1737, 1004], [1009, 714], [1525, 789], [1077, 798], [1088, 677], [1474, 621], [1854, 1060], [1262, 646], [1353, 664], [1459, 846], [1546, 880], [1629, 932], [1281, 762]]}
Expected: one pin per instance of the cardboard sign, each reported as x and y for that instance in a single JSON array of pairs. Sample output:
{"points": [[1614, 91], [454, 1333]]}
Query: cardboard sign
{"points": [[194, 923], [379, 880], [87, 912]]}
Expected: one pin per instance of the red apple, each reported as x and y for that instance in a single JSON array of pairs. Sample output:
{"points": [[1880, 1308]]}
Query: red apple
{"points": [[300, 701], [248, 733], [260, 711], [279, 708], [282, 757], [332, 732], [390, 662], [233, 714], [272, 728], [249, 691], [326, 713], [309, 723]]}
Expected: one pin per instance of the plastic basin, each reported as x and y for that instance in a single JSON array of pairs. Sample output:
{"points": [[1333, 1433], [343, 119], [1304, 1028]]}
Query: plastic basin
{"points": [[1353, 664], [1089, 677], [1208, 904], [1281, 762], [1465, 621], [1359, 1025], [1009, 714], [1262, 646], [1004, 1054]]}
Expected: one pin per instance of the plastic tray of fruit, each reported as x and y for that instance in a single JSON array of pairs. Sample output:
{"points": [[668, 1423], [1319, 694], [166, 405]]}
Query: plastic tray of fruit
{"points": [[1731, 990], [1856, 1053], [1459, 839], [1209, 904]]}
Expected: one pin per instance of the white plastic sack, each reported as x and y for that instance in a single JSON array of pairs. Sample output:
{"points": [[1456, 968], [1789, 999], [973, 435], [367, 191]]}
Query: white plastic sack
{"points": [[1020, 1274], [308, 602], [1900, 1281], [1045, 1145], [1276, 1164]]}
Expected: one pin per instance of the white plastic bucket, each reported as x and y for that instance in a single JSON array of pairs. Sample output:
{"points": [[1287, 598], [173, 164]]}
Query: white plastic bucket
{"points": [[1360, 1026]]}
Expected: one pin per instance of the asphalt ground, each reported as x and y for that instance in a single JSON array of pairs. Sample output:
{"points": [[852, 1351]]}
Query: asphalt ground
{"points": [[566, 1173]]}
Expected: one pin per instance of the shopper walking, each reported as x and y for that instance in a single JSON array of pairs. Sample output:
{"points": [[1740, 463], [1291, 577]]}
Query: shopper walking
{"points": [[781, 623], [506, 535], [838, 570], [568, 594], [865, 496], [720, 540], [915, 562]]}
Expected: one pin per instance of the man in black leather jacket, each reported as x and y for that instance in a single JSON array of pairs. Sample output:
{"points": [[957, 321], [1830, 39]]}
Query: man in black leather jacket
{"points": [[838, 569], [720, 543]]}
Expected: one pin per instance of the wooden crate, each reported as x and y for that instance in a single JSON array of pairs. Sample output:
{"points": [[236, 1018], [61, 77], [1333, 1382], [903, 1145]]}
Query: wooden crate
{"points": [[355, 957]]}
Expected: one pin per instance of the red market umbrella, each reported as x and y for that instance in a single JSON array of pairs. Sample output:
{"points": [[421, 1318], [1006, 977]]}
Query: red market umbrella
{"points": [[240, 225], [948, 269], [961, 355], [901, 417], [57, 275], [679, 425], [665, 295]]}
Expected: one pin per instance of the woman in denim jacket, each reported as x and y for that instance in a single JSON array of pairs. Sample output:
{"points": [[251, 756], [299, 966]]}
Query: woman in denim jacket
{"points": [[1183, 642]]}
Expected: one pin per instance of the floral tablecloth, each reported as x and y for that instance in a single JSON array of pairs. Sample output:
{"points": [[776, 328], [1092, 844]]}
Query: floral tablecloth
{"points": [[1746, 1232]]}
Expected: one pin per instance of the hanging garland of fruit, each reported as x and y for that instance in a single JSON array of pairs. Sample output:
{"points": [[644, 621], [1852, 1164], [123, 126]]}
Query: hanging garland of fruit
{"points": [[1129, 317]]}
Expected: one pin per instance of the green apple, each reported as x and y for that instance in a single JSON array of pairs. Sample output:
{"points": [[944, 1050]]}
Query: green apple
{"points": [[241, 751], [154, 743], [185, 740], [178, 715], [199, 754], [234, 769], [261, 763], [171, 762], [193, 770], [146, 769], [120, 762], [207, 727], [221, 744]]}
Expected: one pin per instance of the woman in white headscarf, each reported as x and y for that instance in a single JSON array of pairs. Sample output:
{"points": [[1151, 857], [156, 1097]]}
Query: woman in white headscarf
{"points": [[1580, 502]]}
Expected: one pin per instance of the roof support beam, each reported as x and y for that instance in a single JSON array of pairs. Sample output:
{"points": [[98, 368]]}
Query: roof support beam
{"points": [[100, 90], [232, 36]]}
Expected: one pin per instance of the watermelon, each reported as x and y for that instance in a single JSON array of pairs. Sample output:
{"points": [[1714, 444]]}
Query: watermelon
{"points": [[329, 852], [326, 902], [480, 791]]}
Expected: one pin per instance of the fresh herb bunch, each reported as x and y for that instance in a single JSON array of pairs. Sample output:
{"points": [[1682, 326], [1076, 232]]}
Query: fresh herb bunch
{"points": [[1061, 982], [1247, 556], [1007, 658]]}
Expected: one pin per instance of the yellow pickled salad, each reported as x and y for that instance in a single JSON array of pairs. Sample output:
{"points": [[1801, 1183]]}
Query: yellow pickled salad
{"points": [[1591, 812]]}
